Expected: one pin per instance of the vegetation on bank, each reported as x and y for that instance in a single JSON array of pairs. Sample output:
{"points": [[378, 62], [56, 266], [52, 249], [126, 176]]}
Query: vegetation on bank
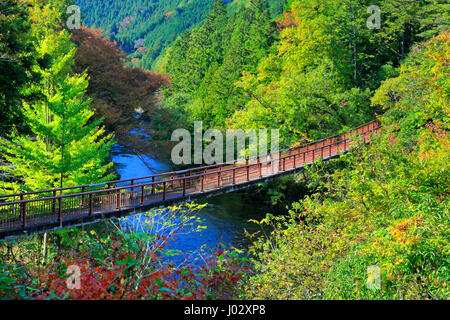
{"points": [[388, 207], [120, 260], [69, 148]]}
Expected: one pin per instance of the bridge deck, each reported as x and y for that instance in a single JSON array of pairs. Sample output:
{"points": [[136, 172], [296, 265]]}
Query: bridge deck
{"points": [[46, 210]]}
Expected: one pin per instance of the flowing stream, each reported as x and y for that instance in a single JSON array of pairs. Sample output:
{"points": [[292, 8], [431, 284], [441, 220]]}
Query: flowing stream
{"points": [[225, 217]]}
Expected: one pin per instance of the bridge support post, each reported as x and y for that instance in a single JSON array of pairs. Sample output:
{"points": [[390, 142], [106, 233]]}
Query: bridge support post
{"points": [[219, 177], [23, 212], [91, 207], [164, 191], [153, 186], [259, 167], [118, 200], [54, 202], [142, 193], [184, 187], [60, 210], [83, 190]]}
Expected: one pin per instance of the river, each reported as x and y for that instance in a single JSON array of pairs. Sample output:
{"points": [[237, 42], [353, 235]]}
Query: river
{"points": [[225, 217]]}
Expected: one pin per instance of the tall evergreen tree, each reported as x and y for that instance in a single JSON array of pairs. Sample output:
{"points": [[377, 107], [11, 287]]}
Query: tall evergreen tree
{"points": [[16, 59], [66, 147], [202, 48], [251, 34]]}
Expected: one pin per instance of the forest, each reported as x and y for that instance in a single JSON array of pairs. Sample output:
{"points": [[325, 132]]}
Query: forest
{"points": [[145, 29], [310, 68]]}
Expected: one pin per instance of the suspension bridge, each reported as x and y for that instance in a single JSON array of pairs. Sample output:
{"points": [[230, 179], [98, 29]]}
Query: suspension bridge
{"points": [[48, 210]]}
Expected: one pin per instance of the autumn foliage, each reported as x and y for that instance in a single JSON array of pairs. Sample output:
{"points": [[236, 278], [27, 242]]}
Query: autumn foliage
{"points": [[287, 20], [115, 279], [117, 272], [117, 90]]}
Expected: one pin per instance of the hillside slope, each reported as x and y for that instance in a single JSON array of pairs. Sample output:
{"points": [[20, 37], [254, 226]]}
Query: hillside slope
{"points": [[147, 25], [144, 28]]}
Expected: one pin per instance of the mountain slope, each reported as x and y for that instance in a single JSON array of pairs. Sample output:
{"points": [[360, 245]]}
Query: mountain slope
{"points": [[144, 27]]}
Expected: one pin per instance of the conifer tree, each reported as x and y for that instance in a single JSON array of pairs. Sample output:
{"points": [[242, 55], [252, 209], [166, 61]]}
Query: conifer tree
{"points": [[16, 59], [66, 147], [203, 48]]}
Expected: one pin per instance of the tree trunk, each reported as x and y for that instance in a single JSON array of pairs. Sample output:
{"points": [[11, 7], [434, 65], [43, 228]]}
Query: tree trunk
{"points": [[403, 41], [44, 249], [355, 62]]}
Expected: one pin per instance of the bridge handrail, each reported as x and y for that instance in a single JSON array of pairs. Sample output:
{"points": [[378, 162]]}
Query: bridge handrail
{"points": [[173, 173], [112, 190], [175, 179]]}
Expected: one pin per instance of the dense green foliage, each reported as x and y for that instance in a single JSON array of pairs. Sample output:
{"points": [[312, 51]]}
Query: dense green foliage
{"points": [[206, 62], [311, 76], [16, 59], [388, 207], [58, 87], [67, 148], [144, 28]]}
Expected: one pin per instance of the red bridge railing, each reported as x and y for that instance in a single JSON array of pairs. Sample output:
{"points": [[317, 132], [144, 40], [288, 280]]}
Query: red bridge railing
{"points": [[49, 207]]}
